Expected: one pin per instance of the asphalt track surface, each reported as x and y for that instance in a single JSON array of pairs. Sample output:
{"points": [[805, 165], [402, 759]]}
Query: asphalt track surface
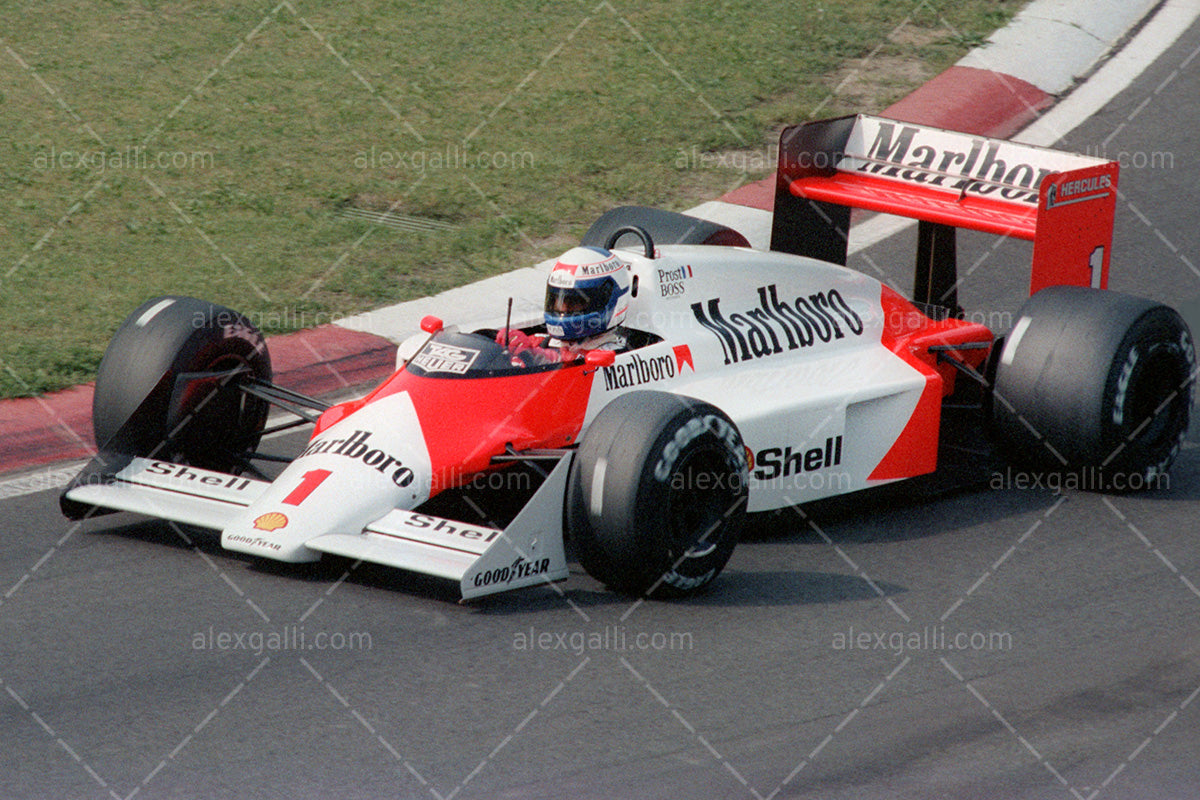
{"points": [[138, 658]]}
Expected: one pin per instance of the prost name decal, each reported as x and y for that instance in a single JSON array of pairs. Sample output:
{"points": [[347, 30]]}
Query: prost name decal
{"points": [[776, 325], [673, 282]]}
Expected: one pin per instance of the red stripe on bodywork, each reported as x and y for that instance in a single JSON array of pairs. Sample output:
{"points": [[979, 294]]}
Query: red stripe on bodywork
{"points": [[915, 450], [909, 334], [466, 421]]}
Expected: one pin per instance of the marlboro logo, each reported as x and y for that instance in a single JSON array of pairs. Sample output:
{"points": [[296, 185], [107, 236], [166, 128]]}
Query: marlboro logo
{"points": [[637, 370], [953, 162], [775, 325], [357, 446]]}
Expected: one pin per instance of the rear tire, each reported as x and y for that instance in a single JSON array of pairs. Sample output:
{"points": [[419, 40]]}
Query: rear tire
{"points": [[657, 493], [1097, 380], [140, 407], [665, 227]]}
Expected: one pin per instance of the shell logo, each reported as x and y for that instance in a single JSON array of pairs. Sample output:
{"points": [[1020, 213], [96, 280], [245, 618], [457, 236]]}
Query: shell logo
{"points": [[271, 521]]}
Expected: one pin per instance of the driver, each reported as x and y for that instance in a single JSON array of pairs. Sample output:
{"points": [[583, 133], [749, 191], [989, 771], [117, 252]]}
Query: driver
{"points": [[587, 297]]}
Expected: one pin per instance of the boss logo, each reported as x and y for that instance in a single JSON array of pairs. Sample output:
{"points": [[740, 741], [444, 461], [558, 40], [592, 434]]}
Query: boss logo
{"points": [[672, 282]]}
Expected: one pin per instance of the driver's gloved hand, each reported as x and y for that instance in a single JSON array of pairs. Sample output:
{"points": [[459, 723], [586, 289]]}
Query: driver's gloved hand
{"points": [[527, 349], [516, 340]]}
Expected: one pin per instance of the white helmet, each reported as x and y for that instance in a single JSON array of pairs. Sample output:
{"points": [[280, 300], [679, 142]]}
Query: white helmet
{"points": [[587, 294]]}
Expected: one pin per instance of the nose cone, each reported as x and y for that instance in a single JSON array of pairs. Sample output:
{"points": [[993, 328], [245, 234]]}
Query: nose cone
{"points": [[356, 471]]}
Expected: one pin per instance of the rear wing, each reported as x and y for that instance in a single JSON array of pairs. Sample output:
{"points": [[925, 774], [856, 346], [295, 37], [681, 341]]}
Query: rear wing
{"points": [[1062, 202]]}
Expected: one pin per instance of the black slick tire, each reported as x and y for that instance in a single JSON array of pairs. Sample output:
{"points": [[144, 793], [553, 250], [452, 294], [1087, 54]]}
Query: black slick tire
{"points": [[1097, 380], [153, 398], [657, 493], [664, 227]]}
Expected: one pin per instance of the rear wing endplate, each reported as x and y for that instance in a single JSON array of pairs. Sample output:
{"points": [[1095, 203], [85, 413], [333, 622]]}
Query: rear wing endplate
{"points": [[1062, 202]]}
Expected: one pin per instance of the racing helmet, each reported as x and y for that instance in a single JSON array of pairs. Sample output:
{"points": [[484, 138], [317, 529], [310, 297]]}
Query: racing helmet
{"points": [[587, 294]]}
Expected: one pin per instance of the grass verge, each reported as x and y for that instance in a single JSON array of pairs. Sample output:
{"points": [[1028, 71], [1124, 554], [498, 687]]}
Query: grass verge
{"points": [[225, 150]]}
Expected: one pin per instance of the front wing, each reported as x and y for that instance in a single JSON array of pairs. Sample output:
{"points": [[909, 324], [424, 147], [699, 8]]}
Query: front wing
{"points": [[483, 560]]}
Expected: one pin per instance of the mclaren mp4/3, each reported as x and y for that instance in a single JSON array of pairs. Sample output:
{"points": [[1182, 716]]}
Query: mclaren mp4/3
{"points": [[747, 380]]}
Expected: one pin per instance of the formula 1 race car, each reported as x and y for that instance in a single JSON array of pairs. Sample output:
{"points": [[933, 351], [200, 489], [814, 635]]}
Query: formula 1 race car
{"points": [[745, 381]]}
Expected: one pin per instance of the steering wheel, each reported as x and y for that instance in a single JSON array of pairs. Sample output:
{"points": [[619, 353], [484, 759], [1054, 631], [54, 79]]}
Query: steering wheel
{"points": [[637, 231]]}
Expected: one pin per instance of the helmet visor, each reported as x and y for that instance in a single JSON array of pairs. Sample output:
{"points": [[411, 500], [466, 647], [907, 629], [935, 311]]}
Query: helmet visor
{"points": [[577, 301]]}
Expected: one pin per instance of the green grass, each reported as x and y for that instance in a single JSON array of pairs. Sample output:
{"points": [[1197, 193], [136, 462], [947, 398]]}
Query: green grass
{"points": [[209, 148]]}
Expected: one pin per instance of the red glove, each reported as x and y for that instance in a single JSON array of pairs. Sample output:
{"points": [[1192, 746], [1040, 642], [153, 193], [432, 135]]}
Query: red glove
{"points": [[515, 340], [520, 342]]}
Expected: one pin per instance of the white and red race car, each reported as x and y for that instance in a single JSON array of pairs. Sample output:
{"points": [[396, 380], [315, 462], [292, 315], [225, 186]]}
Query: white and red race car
{"points": [[752, 380]]}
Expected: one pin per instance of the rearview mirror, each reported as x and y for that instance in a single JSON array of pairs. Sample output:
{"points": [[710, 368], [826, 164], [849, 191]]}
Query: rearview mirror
{"points": [[599, 358]]}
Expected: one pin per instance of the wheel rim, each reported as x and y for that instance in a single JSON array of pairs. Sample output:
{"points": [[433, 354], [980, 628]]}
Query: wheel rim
{"points": [[1147, 418], [703, 494], [224, 420]]}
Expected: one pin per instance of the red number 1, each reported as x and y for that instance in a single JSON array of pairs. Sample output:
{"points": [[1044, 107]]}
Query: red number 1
{"points": [[311, 480]]}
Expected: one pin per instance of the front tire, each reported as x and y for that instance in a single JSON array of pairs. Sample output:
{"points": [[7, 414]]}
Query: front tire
{"points": [[141, 406], [1097, 380], [657, 493]]}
